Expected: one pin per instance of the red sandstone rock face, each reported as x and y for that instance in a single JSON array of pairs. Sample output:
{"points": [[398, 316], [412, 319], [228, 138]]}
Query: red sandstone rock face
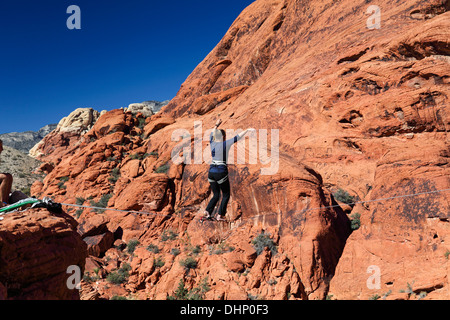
{"points": [[36, 248], [406, 238], [173, 197], [357, 109]]}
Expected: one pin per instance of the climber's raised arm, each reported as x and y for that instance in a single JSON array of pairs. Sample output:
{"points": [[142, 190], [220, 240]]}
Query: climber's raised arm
{"points": [[243, 133]]}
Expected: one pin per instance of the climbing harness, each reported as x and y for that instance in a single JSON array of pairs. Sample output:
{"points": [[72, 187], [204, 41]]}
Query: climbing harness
{"points": [[221, 181]]}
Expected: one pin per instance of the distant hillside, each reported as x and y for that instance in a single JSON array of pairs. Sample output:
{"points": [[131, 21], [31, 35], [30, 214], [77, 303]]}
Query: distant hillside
{"points": [[24, 141], [20, 165]]}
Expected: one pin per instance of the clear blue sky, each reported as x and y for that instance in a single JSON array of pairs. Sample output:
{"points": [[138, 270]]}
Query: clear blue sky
{"points": [[126, 51]]}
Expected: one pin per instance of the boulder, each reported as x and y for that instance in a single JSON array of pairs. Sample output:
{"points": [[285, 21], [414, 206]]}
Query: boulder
{"points": [[99, 244], [111, 122], [148, 191], [92, 225], [157, 123], [36, 250]]}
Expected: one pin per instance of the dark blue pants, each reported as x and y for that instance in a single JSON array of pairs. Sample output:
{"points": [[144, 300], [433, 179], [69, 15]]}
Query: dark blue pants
{"points": [[219, 183]]}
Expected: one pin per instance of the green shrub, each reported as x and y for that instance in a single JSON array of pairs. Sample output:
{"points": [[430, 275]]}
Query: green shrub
{"points": [[119, 276], [355, 221], [196, 250], [131, 246], [197, 293], [114, 175], [175, 251], [102, 203], [116, 277], [88, 278], [163, 169], [221, 248], [181, 293], [262, 241], [447, 254], [409, 289], [80, 201], [78, 213], [61, 185], [189, 263], [343, 196], [158, 262], [168, 235], [141, 123], [153, 248]]}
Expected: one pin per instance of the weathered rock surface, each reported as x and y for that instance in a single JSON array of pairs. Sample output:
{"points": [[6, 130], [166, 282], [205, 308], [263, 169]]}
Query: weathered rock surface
{"points": [[36, 249], [402, 242]]}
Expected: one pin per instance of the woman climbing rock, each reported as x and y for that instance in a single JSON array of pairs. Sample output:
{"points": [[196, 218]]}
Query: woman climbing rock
{"points": [[218, 171]]}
